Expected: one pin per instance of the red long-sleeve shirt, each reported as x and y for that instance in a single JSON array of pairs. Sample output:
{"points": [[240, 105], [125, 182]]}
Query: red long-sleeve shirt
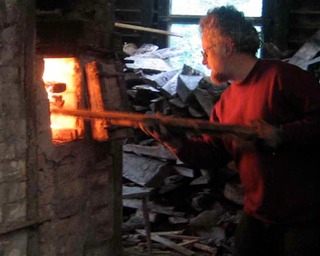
{"points": [[282, 184]]}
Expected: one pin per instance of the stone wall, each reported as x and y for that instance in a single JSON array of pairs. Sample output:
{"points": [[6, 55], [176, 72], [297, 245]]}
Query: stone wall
{"points": [[54, 200], [78, 194], [15, 44]]}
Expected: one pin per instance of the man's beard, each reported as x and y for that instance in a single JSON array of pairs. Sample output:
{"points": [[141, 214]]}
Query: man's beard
{"points": [[219, 78]]}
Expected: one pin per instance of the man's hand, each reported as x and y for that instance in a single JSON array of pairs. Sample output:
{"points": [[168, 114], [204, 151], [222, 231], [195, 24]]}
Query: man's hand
{"points": [[161, 134], [269, 133], [157, 131]]}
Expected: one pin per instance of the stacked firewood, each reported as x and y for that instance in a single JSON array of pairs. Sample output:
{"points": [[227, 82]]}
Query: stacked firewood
{"points": [[189, 210]]}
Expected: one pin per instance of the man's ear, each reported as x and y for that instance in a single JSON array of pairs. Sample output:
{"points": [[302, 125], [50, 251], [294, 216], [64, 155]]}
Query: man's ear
{"points": [[228, 48]]}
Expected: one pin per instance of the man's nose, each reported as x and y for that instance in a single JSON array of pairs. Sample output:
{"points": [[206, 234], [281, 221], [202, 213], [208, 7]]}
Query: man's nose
{"points": [[204, 60]]}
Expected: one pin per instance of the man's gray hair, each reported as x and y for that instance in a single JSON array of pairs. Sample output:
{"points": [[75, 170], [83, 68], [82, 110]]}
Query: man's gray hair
{"points": [[231, 24]]}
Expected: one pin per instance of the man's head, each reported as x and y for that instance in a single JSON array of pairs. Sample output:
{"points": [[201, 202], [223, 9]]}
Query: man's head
{"points": [[226, 31], [227, 23]]}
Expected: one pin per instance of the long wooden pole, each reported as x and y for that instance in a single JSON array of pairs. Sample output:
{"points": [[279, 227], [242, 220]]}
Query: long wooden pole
{"points": [[152, 30], [133, 119]]}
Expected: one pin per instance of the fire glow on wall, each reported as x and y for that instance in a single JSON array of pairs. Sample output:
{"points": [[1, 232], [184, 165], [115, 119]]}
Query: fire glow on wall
{"points": [[62, 81]]}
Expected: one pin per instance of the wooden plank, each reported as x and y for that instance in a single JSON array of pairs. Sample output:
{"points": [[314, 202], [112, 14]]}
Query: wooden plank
{"points": [[168, 243], [98, 126], [106, 92], [189, 243], [182, 237], [175, 232], [145, 211]]}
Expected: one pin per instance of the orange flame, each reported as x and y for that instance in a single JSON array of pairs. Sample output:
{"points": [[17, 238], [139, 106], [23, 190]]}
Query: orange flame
{"points": [[62, 71]]}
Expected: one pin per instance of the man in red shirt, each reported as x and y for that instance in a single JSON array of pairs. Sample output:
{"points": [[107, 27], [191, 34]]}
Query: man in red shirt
{"points": [[279, 170]]}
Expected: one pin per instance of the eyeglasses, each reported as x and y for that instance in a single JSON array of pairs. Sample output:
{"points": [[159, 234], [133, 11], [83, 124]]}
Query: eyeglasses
{"points": [[205, 51]]}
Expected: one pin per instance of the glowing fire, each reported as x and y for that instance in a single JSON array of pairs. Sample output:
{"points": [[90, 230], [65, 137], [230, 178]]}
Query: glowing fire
{"points": [[62, 82]]}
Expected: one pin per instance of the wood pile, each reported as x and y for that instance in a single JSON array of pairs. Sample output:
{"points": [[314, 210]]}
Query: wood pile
{"points": [[190, 211]]}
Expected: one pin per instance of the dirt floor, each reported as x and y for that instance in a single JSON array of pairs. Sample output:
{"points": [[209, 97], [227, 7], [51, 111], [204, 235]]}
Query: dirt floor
{"points": [[136, 251]]}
